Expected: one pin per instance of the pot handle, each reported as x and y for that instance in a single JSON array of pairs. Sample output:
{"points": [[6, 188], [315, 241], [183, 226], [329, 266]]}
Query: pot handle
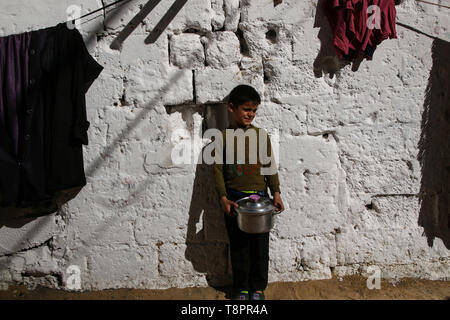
{"points": [[277, 212]]}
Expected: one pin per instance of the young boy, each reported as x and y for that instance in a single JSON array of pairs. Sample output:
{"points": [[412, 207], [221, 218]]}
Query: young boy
{"points": [[249, 252]]}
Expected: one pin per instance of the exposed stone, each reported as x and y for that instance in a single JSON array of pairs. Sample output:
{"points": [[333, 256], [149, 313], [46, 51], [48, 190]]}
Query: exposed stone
{"points": [[186, 51], [222, 49], [232, 14], [218, 19], [213, 85]]}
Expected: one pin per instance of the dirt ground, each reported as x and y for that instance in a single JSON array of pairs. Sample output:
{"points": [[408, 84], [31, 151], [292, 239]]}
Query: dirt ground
{"points": [[346, 288]]}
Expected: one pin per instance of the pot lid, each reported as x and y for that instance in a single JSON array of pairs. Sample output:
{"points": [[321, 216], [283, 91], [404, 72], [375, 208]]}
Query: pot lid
{"points": [[255, 205]]}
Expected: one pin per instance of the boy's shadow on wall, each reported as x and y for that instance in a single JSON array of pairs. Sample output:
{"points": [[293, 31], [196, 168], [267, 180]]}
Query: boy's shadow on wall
{"points": [[206, 238], [434, 148]]}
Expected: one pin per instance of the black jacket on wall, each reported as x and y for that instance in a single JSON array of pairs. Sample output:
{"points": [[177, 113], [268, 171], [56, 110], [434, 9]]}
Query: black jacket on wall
{"points": [[51, 118]]}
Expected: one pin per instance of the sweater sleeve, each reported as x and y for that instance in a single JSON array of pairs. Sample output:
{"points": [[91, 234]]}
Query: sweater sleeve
{"points": [[272, 179], [219, 180]]}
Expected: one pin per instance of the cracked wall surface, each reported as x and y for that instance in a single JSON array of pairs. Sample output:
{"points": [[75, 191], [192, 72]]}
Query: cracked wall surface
{"points": [[347, 143]]}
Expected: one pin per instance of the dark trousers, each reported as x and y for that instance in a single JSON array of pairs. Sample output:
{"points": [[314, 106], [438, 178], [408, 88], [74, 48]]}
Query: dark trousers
{"points": [[249, 253]]}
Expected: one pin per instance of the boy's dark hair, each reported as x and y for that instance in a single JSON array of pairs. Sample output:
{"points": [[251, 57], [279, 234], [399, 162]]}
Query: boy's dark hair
{"points": [[243, 93]]}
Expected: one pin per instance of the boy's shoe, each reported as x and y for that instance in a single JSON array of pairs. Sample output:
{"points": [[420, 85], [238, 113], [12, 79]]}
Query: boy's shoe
{"points": [[242, 295], [257, 296]]}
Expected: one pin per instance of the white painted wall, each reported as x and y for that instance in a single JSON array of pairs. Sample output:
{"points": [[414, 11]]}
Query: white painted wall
{"points": [[349, 147]]}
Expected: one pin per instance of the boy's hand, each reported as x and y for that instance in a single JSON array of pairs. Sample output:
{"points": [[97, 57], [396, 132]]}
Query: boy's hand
{"points": [[277, 201], [226, 205]]}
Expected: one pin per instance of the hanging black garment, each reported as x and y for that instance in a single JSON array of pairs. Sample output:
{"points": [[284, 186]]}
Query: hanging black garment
{"points": [[44, 76]]}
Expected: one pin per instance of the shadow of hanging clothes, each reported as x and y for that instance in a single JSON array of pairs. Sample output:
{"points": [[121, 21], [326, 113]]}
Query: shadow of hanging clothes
{"points": [[277, 2], [434, 149], [132, 25], [16, 217], [165, 21], [96, 29]]}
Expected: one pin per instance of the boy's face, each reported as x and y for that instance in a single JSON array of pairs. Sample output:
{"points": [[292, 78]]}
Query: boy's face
{"points": [[243, 115]]}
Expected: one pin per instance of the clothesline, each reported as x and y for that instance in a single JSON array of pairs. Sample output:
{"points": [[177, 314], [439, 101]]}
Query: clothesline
{"points": [[276, 2], [99, 9], [435, 4]]}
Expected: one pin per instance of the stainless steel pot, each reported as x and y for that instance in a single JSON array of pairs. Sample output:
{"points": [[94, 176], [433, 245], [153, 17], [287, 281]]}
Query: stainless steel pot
{"points": [[255, 214]]}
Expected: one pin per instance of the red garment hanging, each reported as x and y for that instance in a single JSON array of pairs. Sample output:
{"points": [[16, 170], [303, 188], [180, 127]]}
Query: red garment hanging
{"points": [[353, 28]]}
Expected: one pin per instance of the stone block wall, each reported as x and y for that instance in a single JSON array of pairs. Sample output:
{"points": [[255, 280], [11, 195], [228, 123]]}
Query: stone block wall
{"points": [[363, 150]]}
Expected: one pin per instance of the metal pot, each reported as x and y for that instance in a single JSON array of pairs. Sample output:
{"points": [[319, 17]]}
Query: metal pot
{"points": [[255, 214]]}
